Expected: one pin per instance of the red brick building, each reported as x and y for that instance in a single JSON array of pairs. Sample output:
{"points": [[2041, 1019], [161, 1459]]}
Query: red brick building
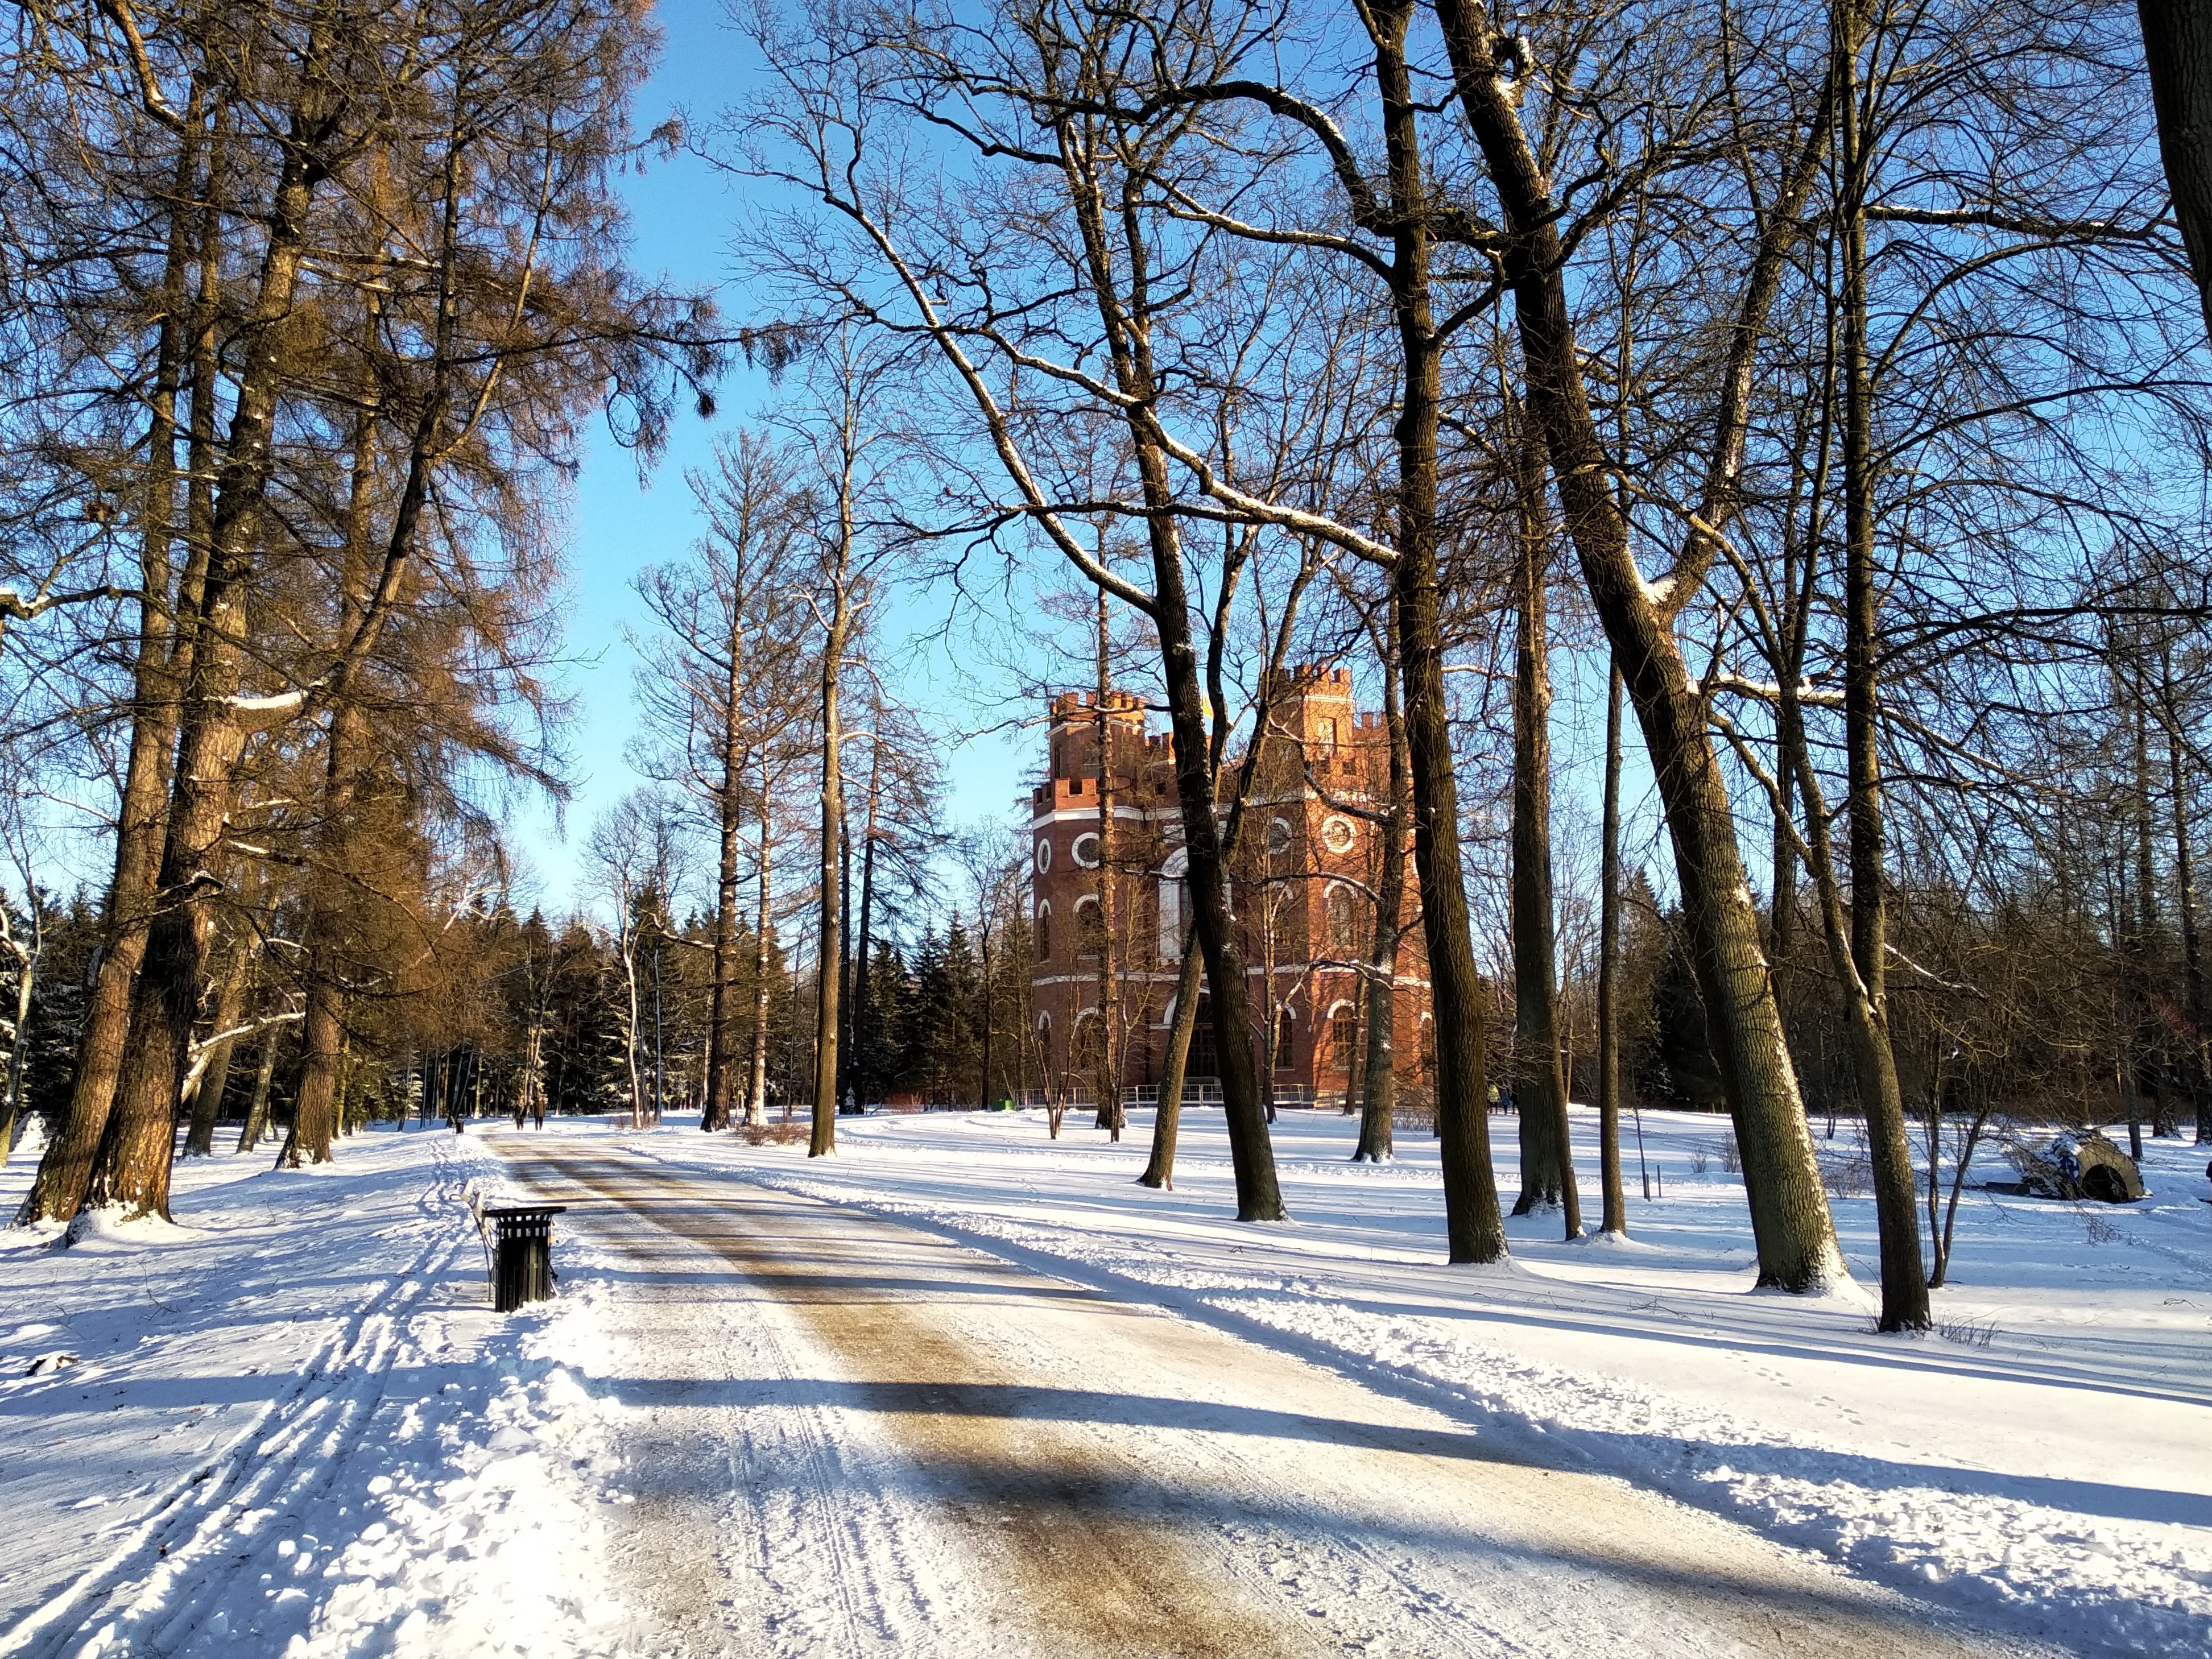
{"points": [[1303, 891]]}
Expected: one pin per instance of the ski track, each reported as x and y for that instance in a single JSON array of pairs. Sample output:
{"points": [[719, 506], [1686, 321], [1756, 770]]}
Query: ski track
{"points": [[183, 1559]]}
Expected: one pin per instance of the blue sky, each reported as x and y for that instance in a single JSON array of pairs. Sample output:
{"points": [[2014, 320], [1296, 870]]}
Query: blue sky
{"points": [[682, 214]]}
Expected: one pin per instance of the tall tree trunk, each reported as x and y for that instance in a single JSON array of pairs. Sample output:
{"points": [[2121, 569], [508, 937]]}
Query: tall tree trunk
{"points": [[1259, 1194], [1547, 1169], [633, 1014], [1904, 1274], [1474, 1229], [19, 1040], [1167, 1120], [2156, 1072], [845, 1097], [348, 749], [257, 1109], [132, 1168], [203, 1091], [831, 950], [2199, 1067], [862, 986], [1790, 1224], [1608, 974], [2178, 45], [1379, 1095], [722, 1015], [721, 1011], [983, 930], [764, 917], [65, 1170], [1110, 1116]]}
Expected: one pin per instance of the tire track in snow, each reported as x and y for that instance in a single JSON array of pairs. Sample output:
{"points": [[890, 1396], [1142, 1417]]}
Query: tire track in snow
{"points": [[1004, 1495], [790, 1522], [181, 1559]]}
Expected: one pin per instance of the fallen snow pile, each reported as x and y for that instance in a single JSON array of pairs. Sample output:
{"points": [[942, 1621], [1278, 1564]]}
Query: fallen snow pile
{"points": [[393, 1469], [2088, 1577]]}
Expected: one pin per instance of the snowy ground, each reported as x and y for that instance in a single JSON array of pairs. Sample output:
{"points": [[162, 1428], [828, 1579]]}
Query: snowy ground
{"points": [[292, 1427], [2048, 1463]]}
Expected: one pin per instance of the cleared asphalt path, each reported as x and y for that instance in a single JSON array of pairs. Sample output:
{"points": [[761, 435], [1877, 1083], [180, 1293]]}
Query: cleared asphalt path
{"points": [[847, 1436]]}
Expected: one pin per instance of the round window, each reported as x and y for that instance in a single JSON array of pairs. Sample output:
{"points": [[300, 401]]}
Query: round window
{"points": [[1044, 856], [1338, 835], [1279, 835], [1086, 851]]}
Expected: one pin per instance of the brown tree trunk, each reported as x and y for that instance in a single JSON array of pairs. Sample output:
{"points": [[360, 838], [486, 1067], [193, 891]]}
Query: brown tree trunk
{"points": [[2198, 1069], [257, 1110], [1789, 1217], [1259, 1194], [721, 1014], [990, 1008], [721, 1011], [857, 1066], [1474, 1229], [1608, 971], [1904, 1275], [764, 917], [204, 1093], [1160, 1169], [349, 745], [65, 1170], [2157, 1069], [1379, 1093], [1110, 1116], [1547, 1170], [831, 950], [845, 1101], [2177, 45], [131, 1170]]}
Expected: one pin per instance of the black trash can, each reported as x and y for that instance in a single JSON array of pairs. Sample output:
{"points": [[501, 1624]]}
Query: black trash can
{"points": [[522, 1255]]}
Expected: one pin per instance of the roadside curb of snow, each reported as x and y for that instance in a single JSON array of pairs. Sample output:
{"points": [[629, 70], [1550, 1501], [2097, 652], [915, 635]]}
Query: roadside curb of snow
{"points": [[2097, 1585], [494, 1545]]}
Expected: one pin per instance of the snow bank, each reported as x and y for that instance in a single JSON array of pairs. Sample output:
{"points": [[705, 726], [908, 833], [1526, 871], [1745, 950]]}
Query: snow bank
{"points": [[294, 1426]]}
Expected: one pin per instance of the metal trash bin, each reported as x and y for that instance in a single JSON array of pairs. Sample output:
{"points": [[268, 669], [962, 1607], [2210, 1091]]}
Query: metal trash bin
{"points": [[522, 1255]]}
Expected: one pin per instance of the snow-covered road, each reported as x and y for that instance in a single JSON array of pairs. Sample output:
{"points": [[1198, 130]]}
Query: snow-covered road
{"points": [[842, 1434]]}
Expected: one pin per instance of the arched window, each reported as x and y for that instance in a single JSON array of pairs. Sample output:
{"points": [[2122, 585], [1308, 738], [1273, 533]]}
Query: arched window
{"points": [[1089, 931], [1088, 1051], [1340, 931], [1286, 1036], [1205, 1057], [1343, 1037], [1044, 933], [1428, 1049]]}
